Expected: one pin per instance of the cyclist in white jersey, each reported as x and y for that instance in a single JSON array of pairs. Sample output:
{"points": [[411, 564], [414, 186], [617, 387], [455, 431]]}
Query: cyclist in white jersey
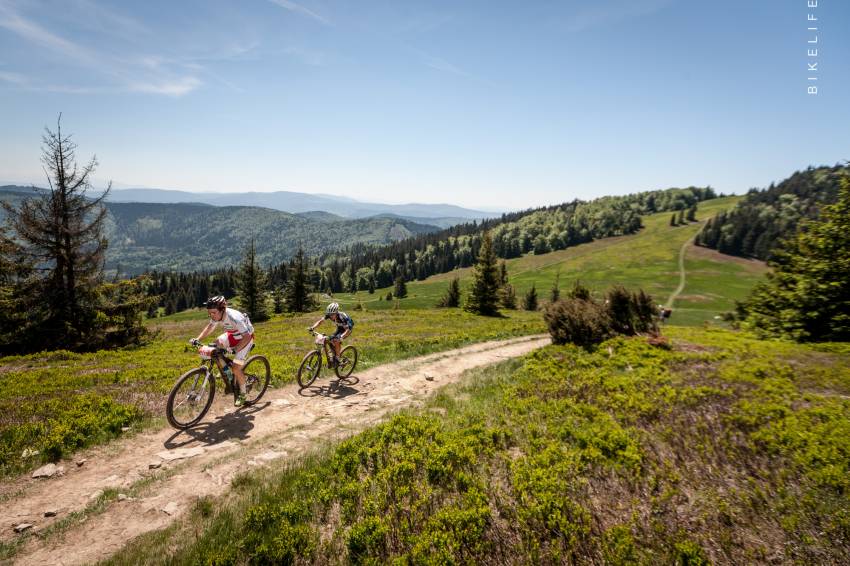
{"points": [[238, 337]]}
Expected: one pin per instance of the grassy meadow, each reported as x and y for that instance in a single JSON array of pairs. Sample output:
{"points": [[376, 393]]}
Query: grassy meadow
{"points": [[56, 402], [60, 401], [648, 259], [719, 449]]}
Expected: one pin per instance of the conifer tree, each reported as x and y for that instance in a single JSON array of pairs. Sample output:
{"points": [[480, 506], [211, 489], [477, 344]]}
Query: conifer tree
{"points": [[251, 286], [681, 218], [451, 298], [507, 296], [483, 293], [807, 295], [400, 289], [277, 299], [60, 232], [297, 297], [692, 214], [529, 301], [555, 292], [673, 220]]}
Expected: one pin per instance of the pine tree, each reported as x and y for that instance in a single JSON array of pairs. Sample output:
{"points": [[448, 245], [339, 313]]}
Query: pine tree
{"points": [[400, 290], [61, 232], [277, 299], [452, 297], [555, 292], [529, 301], [807, 295], [681, 218], [507, 297], [692, 214], [483, 294], [503, 273], [20, 309], [251, 286], [297, 297], [673, 220]]}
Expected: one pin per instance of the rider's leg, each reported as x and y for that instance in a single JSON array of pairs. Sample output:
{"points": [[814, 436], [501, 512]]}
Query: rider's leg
{"points": [[239, 366], [239, 374]]}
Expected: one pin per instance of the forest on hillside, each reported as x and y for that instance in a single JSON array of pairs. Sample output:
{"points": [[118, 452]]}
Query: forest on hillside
{"points": [[754, 226], [187, 237], [363, 267]]}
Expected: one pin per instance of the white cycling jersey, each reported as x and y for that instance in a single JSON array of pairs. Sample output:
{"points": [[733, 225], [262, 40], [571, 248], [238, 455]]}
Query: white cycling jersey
{"points": [[235, 323]]}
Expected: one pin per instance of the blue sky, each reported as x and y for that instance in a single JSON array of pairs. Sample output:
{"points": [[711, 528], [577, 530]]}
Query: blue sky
{"points": [[489, 104]]}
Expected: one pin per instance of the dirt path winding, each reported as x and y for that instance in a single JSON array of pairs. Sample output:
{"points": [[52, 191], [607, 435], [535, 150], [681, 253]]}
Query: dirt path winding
{"points": [[164, 472], [681, 287]]}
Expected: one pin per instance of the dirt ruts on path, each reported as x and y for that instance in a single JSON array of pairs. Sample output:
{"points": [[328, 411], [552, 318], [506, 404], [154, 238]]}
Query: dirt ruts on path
{"points": [[164, 472]]}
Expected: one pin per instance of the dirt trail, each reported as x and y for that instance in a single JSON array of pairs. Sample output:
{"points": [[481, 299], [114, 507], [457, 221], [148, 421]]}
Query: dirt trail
{"points": [[681, 287], [177, 468]]}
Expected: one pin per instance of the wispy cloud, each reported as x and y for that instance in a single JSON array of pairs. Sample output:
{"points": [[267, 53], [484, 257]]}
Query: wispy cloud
{"points": [[177, 87], [14, 22], [299, 9], [148, 74], [13, 78]]}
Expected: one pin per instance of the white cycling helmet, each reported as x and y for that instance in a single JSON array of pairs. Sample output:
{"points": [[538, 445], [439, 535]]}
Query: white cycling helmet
{"points": [[333, 308]]}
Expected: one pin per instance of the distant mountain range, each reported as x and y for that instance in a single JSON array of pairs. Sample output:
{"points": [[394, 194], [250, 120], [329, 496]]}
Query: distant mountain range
{"points": [[193, 236], [443, 215]]}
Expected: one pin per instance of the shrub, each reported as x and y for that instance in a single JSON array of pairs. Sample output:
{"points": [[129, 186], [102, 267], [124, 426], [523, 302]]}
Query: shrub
{"points": [[618, 303], [577, 321]]}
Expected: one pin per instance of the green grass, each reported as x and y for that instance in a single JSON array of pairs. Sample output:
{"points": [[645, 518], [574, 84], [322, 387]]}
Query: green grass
{"points": [[56, 402], [50, 407], [723, 449], [648, 260]]}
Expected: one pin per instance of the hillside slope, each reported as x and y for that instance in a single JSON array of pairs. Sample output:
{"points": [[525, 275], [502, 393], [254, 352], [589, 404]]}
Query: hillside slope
{"points": [[763, 217], [647, 259], [194, 236]]}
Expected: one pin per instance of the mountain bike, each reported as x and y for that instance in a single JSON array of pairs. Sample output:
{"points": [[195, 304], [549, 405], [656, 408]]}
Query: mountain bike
{"points": [[311, 365], [192, 395]]}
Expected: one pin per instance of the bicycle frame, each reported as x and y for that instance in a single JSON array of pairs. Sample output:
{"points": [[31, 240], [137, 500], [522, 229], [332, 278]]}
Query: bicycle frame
{"points": [[217, 360], [328, 350]]}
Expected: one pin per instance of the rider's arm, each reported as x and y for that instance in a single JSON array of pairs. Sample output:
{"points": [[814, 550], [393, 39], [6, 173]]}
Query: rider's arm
{"points": [[317, 323], [207, 329]]}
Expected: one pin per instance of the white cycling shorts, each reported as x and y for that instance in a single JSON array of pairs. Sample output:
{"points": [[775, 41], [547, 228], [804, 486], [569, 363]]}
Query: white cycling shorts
{"points": [[226, 341]]}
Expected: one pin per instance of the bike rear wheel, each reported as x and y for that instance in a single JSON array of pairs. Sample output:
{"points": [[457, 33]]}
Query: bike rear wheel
{"points": [[309, 369], [190, 398], [257, 374], [346, 362]]}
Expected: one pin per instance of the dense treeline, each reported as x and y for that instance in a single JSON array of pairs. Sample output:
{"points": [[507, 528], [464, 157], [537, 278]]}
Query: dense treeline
{"points": [[540, 230], [752, 228], [807, 295], [364, 267]]}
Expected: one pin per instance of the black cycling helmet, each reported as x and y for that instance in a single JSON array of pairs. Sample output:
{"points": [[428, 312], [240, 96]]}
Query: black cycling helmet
{"points": [[217, 302]]}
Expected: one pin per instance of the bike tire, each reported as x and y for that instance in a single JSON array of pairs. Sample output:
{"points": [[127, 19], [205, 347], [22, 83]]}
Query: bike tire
{"points": [[346, 362], [174, 419], [309, 369], [262, 376]]}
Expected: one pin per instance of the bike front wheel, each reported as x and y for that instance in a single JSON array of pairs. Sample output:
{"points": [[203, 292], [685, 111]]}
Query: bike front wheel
{"points": [[257, 373], [309, 369], [346, 362], [190, 398]]}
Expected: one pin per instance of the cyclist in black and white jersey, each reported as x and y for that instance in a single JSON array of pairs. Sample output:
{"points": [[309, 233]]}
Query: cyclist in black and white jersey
{"points": [[238, 337], [344, 326]]}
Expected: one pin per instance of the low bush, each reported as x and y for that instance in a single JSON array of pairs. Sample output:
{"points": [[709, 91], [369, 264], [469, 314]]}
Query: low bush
{"points": [[581, 320]]}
